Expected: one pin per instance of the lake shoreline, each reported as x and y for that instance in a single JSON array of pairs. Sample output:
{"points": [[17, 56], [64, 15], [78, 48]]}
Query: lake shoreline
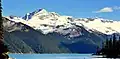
{"points": [[56, 56]]}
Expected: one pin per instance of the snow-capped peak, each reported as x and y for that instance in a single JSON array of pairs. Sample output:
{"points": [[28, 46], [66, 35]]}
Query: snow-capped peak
{"points": [[51, 21], [99, 24], [30, 15]]}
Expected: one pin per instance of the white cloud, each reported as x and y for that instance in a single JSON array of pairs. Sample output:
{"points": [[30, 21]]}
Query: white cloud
{"points": [[106, 9]]}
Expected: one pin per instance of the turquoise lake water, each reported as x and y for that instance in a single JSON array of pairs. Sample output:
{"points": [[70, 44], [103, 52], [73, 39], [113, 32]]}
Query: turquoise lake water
{"points": [[50, 56]]}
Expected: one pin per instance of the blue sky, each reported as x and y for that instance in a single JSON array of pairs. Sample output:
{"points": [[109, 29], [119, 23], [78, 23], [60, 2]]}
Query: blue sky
{"points": [[109, 9]]}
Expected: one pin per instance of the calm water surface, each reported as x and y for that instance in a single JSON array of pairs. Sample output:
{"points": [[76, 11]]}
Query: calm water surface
{"points": [[52, 56]]}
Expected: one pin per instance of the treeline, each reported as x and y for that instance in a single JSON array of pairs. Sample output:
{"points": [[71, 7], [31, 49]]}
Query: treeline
{"points": [[110, 48]]}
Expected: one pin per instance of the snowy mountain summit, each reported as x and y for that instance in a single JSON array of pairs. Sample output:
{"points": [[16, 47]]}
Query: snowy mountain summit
{"points": [[49, 22]]}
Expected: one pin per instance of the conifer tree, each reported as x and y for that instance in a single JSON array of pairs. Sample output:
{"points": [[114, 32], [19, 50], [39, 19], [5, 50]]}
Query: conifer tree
{"points": [[107, 43], [114, 41], [3, 48]]}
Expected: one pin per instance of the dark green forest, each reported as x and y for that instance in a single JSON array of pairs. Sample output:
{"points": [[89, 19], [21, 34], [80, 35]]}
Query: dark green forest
{"points": [[110, 48]]}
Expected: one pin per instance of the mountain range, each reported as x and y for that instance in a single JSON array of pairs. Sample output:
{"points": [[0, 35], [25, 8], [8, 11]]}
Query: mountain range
{"points": [[48, 32]]}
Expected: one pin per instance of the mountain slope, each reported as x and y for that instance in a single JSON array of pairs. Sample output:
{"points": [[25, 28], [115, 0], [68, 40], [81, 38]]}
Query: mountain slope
{"points": [[37, 42], [32, 40], [48, 32]]}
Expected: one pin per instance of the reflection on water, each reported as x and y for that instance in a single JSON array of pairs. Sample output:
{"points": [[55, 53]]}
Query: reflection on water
{"points": [[53, 56]]}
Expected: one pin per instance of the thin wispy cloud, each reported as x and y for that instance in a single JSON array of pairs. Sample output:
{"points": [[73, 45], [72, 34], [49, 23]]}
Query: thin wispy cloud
{"points": [[116, 8], [103, 10], [108, 9]]}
